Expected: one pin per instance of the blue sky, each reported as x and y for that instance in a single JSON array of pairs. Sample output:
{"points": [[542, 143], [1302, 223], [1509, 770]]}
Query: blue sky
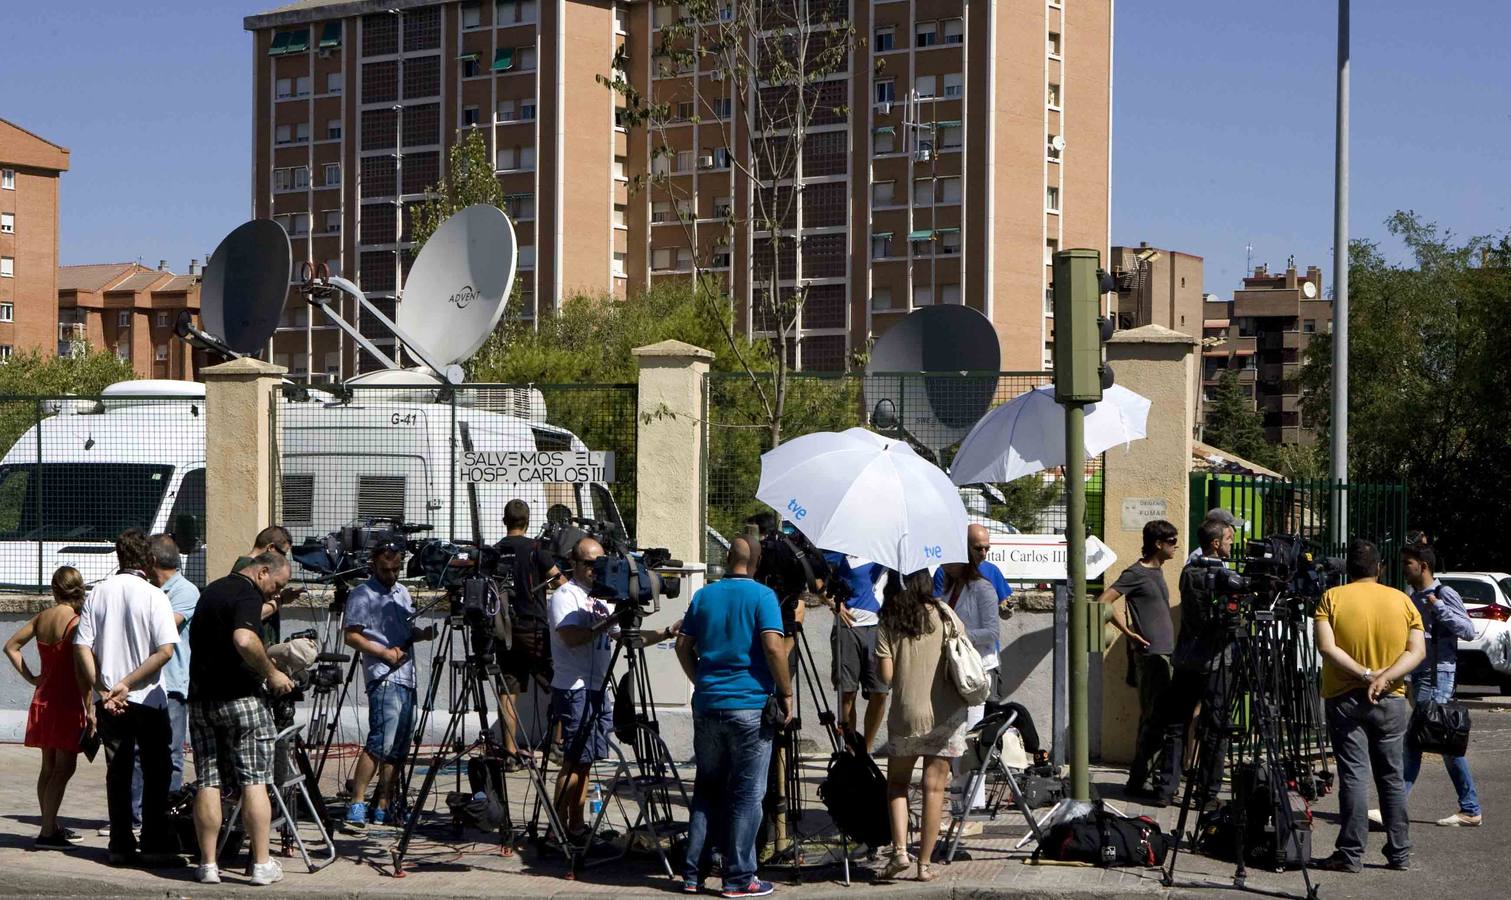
{"points": [[1223, 123]]}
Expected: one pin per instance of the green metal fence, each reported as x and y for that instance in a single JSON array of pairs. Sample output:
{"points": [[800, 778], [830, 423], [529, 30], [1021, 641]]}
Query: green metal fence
{"points": [[1375, 512], [934, 411]]}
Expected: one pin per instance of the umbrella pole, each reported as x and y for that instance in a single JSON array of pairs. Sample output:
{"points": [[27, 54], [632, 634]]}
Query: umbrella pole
{"points": [[1075, 563]]}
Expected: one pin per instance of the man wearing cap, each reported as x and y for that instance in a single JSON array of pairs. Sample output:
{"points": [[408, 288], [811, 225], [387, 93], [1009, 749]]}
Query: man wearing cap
{"points": [[1233, 524]]}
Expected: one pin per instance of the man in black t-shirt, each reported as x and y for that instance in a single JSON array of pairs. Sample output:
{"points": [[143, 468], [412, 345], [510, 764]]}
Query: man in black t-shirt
{"points": [[229, 723], [1140, 602], [529, 654]]}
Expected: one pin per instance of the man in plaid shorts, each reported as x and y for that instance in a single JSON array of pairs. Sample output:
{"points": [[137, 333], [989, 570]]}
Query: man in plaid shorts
{"points": [[229, 722]]}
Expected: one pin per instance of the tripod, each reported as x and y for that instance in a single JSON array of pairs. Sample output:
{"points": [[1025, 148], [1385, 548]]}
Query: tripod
{"points": [[1245, 676]]}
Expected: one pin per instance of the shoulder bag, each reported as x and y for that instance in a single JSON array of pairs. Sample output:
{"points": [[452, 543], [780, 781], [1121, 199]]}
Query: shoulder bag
{"points": [[967, 673], [1436, 727]]}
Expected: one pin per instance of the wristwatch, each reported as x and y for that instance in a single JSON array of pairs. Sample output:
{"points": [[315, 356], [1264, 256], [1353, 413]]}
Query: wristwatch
{"points": [[1369, 674]]}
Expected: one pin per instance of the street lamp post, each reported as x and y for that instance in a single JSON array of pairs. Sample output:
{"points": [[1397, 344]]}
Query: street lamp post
{"points": [[1340, 287]]}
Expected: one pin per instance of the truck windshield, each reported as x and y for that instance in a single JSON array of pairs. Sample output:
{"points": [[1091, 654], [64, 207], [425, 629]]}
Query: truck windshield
{"points": [[79, 501]]}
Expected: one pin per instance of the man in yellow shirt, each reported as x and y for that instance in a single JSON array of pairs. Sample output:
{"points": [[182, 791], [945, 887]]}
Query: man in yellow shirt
{"points": [[1370, 638]]}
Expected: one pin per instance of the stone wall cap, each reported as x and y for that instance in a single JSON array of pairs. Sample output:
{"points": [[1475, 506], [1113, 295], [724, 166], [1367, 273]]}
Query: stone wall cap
{"points": [[672, 349], [241, 368], [1152, 334]]}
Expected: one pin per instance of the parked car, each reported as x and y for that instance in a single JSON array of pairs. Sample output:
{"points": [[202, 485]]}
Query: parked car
{"points": [[1487, 597]]}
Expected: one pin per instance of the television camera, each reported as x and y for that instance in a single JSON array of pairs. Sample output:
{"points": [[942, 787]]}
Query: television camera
{"points": [[344, 557], [1280, 577], [625, 576]]}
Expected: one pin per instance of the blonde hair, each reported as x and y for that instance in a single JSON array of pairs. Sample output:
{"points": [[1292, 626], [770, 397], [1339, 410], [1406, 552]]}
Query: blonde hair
{"points": [[68, 585]]}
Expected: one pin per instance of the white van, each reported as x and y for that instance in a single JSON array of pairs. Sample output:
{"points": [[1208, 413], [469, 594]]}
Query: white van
{"points": [[137, 458]]}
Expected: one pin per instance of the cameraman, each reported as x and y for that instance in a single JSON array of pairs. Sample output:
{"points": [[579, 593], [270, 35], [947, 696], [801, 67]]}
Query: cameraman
{"points": [[528, 658], [1201, 669], [380, 625]]}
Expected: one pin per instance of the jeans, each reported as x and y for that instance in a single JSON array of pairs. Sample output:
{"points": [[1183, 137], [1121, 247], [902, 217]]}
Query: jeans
{"points": [[732, 749], [1369, 738], [390, 718], [178, 717], [1457, 766], [141, 732], [1154, 675]]}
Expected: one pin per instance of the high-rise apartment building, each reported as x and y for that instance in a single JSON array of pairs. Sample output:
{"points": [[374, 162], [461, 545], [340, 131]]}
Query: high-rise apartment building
{"points": [[29, 170], [1263, 333], [958, 148]]}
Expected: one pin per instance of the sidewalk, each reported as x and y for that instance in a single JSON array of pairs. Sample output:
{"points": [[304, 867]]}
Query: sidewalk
{"points": [[475, 868]]}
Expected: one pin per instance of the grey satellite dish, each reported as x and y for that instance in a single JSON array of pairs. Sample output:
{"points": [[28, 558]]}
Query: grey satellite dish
{"points": [[936, 412], [243, 290], [457, 288]]}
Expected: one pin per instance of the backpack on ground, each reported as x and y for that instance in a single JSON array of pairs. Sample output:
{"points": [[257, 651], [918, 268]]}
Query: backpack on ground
{"points": [[855, 793], [1104, 838]]}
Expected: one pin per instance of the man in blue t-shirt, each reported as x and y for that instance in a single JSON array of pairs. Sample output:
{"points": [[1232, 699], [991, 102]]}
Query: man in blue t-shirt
{"points": [[731, 648], [978, 543], [854, 640]]}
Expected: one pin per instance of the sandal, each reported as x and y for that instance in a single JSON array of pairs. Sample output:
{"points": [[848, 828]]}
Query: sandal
{"points": [[926, 872], [895, 866]]}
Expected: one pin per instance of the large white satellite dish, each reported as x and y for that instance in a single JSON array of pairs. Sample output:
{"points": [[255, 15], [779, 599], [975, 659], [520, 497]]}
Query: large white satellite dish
{"points": [[457, 288]]}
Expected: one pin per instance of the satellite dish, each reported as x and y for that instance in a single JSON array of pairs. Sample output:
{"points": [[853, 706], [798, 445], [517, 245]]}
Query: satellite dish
{"points": [[1309, 289], [245, 285], [1057, 142], [935, 412], [457, 288]]}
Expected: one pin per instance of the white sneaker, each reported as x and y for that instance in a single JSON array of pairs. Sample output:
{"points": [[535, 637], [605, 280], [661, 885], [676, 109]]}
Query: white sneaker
{"points": [[267, 873], [209, 874]]}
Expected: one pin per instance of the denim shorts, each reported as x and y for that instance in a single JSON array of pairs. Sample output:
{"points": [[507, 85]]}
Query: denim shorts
{"points": [[390, 719], [587, 720]]}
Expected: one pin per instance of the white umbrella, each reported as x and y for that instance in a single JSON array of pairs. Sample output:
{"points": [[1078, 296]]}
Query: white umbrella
{"points": [[1027, 434], [859, 493]]}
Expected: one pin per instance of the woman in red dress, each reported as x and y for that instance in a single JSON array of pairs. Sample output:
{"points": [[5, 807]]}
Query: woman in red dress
{"points": [[57, 718]]}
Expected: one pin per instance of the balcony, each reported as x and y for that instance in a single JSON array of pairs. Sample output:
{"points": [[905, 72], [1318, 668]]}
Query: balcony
{"points": [[71, 333]]}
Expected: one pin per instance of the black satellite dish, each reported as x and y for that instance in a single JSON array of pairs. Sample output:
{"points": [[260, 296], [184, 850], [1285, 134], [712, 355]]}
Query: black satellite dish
{"points": [[245, 285], [936, 412]]}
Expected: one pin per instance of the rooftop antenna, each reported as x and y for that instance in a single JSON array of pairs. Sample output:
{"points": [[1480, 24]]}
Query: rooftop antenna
{"points": [[1248, 258]]}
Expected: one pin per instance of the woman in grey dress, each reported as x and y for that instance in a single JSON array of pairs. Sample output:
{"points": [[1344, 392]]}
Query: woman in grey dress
{"points": [[927, 715]]}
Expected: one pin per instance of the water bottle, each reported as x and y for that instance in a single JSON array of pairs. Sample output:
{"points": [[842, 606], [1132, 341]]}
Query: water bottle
{"points": [[595, 800]]}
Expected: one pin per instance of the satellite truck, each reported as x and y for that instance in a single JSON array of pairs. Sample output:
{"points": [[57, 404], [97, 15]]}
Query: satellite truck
{"points": [[136, 456]]}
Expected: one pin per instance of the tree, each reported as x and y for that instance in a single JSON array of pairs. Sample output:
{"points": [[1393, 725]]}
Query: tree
{"points": [[1429, 391], [1231, 423], [780, 67], [469, 180], [29, 374]]}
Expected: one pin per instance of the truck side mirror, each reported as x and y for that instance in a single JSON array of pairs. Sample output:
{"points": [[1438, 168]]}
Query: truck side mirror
{"points": [[186, 532]]}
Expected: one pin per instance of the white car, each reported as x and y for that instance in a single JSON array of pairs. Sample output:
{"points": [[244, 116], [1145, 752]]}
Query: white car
{"points": [[1487, 597]]}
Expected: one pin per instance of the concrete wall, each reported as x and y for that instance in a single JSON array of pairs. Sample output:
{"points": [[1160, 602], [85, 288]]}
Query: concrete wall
{"points": [[669, 452]]}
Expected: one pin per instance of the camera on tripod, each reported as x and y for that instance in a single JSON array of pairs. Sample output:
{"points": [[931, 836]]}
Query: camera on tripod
{"points": [[1280, 568], [344, 557], [624, 575]]}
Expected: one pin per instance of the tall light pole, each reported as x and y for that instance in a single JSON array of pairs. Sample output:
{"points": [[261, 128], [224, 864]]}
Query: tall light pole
{"points": [[1340, 285]]}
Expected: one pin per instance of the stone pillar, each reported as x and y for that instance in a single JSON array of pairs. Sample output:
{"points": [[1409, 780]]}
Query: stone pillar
{"points": [[669, 449], [1149, 479], [239, 488]]}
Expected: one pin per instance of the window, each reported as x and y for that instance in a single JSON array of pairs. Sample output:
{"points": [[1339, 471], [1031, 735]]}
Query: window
{"points": [[619, 265], [684, 259], [123, 318], [723, 207], [472, 15], [619, 175], [886, 39], [881, 193], [510, 12], [283, 134], [949, 293], [160, 353], [527, 256], [5, 351], [162, 320], [722, 158], [949, 135], [924, 85], [333, 83], [1054, 43], [1049, 302], [507, 159], [1050, 249], [926, 34], [883, 140], [1309, 326], [7, 312], [949, 189], [520, 207], [620, 217], [1053, 97], [283, 88], [506, 111], [7, 267], [527, 110], [881, 245], [1052, 199], [332, 222], [7, 223], [299, 224], [621, 19], [470, 116], [685, 161], [333, 130], [301, 132], [526, 59], [470, 67], [954, 85], [1053, 149], [886, 91], [723, 108], [721, 258], [881, 298], [8, 179], [684, 110], [302, 86], [949, 240], [332, 173], [923, 295], [661, 258], [301, 177], [923, 191], [954, 31]]}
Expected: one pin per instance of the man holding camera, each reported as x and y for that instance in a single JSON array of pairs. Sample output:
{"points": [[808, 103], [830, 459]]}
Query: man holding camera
{"points": [[229, 721], [379, 624], [529, 657]]}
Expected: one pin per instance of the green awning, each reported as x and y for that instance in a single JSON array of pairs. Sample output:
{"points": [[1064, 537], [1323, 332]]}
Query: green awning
{"points": [[882, 234], [467, 57], [953, 123], [280, 43], [922, 234], [299, 41], [885, 129], [503, 59], [330, 35], [948, 230]]}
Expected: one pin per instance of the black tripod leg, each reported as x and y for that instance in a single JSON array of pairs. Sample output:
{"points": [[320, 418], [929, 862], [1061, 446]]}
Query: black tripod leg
{"points": [[441, 754], [330, 728]]}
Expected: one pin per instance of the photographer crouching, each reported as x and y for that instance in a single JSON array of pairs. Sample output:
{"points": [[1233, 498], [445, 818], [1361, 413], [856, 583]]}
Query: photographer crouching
{"points": [[229, 722], [379, 624]]}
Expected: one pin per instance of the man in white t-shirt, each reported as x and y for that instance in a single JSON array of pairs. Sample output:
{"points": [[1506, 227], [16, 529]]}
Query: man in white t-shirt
{"points": [[126, 634]]}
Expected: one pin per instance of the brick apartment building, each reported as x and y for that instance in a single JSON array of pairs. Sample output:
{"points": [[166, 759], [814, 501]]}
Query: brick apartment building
{"points": [[973, 143], [1263, 333], [1160, 287], [131, 309], [29, 170]]}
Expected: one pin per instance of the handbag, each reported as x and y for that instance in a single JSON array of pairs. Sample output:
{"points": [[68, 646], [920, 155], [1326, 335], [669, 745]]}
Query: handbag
{"points": [[1436, 727], [967, 672]]}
